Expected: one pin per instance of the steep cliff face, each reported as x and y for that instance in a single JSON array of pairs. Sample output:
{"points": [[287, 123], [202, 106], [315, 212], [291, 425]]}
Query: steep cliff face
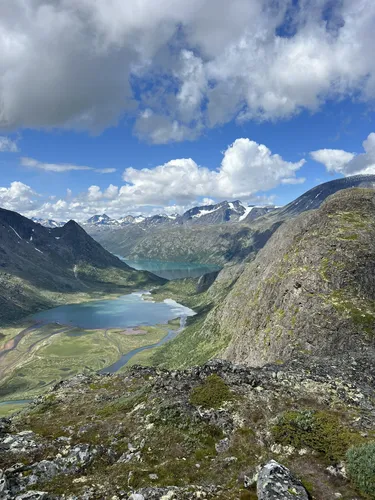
{"points": [[311, 290]]}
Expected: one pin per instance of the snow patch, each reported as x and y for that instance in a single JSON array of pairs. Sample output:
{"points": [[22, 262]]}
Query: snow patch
{"points": [[15, 232], [205, 212], [246, 213], [37, 249]]}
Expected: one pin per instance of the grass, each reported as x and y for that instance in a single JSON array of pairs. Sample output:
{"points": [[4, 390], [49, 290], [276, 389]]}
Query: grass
{"points": [[9, 409], [44, 357], [361, 467]]}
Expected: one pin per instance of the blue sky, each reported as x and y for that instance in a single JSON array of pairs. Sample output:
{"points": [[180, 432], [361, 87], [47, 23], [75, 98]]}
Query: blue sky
{"points": [[193, 110]]}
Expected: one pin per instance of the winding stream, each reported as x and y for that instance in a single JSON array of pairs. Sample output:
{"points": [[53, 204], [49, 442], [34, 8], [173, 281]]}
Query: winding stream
{"points": [[130, 310], [124, 360]]}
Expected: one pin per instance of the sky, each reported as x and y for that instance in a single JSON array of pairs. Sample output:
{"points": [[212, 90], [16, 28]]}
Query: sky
{"points": [[136, 106]]}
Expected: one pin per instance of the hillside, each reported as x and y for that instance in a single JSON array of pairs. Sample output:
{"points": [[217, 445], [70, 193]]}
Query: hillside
{"points": [[40, 266], [211, 432], [311, 290], [214, 237]]}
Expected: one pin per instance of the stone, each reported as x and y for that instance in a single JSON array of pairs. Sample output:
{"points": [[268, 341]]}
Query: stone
{"points": [[32, 495], [222, 445], [3, 482], [276, 482], [136, 496]]}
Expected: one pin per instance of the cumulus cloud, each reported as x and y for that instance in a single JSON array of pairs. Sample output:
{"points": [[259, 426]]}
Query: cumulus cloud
{"points": [[179, 67], [19, 197], [247, 171], [345, 163], [61, 167], [7, 145]]}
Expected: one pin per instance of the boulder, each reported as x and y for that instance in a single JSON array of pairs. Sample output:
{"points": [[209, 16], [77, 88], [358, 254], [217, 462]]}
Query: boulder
{"points": [[276, 482]]}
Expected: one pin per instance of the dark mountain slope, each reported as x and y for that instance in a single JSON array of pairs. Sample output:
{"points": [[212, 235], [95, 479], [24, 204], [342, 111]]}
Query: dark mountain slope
{"points": [[38, 263]]}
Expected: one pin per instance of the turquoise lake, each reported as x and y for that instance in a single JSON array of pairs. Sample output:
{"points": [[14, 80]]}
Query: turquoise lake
{"points": [[172, 270], [126, 311]]}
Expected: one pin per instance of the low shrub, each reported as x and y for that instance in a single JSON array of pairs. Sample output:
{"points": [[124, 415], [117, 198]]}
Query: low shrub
{"points": [[360, 462], [211, 394], [318, 430]]}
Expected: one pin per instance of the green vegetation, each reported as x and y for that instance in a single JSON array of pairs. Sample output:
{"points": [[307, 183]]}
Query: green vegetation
{"points": [[183, 291], [9, 409], [50, 353], [321, 431], [212, 393], [360, 461]]}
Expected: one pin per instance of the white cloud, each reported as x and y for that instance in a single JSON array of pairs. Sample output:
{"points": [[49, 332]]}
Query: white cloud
{"points": [[247, 170], [19, 197], [61, 167], [7, 145], [337, 160], [177, 66]]}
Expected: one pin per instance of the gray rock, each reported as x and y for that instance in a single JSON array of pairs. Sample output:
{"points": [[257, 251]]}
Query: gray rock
{"points": [[276, 482], [33, 495], [222, 445], [3, 482], [136, 496]]}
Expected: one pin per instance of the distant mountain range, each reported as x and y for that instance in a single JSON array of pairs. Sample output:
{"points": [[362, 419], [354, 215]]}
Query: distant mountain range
{"points": [[225, 211], [215, 234], [48, 222], [38, 265]]}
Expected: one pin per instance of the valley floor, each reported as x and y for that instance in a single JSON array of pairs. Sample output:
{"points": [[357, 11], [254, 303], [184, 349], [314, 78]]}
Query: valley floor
{"points": [[34, 356]]}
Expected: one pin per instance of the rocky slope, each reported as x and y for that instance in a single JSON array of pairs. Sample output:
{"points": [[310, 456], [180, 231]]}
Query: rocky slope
{"points": [[310, 290], [38, 263], [219, 431], [206, 236]]}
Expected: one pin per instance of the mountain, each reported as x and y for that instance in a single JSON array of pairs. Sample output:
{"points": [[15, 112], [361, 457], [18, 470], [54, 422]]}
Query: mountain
{"points": [[100, 220], [47, 222], [289, 413], [313, 198], [38, 263], [205, 237], [206, 214], [309, 292]]}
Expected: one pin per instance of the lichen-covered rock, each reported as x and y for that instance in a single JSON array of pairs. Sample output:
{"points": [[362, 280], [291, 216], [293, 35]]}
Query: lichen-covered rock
{"points": [[310, 290], [150, 437], [276, 482]]}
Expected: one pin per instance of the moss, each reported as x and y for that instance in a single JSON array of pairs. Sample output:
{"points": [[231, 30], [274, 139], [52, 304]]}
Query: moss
{"points": [[319, 430], [360, 312], [248, 495], [212, 393], [360, 461], [123, 404]]}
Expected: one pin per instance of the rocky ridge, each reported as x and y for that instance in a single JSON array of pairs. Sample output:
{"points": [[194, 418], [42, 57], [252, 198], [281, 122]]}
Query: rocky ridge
{"points": [[217, 431]]}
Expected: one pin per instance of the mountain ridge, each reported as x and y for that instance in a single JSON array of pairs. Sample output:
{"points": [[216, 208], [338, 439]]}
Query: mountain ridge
{"points": [[217, 243], [38, 263]]}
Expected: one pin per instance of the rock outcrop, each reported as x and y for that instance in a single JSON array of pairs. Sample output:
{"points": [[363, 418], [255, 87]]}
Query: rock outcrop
{"points": [[311, 290], [201, 433]]}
